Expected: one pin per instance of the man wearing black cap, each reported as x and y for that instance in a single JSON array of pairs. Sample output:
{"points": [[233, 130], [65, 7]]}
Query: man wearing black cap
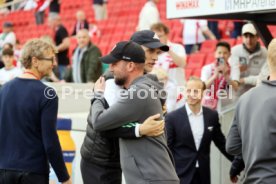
{"points": [[147, 159], [8, 35], [151, 45]]}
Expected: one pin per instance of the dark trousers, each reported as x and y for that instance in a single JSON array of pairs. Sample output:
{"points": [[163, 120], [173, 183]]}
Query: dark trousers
{"points": [[21, 177], [96, 174], [213, 26], [39, 18], [189, 48], [196, 178]]}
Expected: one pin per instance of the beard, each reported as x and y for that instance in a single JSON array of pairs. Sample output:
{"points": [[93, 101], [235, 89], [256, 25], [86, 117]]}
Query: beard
{"points": [[120, 81]]}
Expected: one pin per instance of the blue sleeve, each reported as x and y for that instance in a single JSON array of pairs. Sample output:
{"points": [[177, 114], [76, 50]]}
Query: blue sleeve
{"points": [[50, 139], [219, 138]]}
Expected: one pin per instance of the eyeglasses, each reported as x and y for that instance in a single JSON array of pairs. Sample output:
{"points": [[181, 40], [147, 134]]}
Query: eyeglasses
{"points": [[53, 59]]}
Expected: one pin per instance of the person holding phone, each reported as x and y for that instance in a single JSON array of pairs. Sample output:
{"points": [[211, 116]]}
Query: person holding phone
{"points": [[220, 74]]}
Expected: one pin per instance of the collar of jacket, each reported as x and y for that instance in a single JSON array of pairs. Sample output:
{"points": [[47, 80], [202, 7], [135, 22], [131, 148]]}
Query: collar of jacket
{"points": [[258, 47]]}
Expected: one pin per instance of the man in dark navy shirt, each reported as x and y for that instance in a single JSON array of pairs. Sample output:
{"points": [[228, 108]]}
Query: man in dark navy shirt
{"points": [[28, 114], [62, 41]]}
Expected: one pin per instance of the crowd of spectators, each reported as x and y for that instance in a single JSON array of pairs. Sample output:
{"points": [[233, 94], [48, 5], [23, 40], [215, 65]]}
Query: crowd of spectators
{"points": [[240, 66]]}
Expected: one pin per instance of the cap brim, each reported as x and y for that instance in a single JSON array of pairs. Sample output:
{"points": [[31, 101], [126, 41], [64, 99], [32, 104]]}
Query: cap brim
{"points": [[246, 32], [108, 59], [157, 45]]}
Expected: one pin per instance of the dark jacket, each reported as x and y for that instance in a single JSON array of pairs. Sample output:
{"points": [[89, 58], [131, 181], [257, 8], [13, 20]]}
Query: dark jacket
{"points": [[99, 149], [91, 67], [85, 26], [102, 148], [237, 166], [100, 2], [182, 145]]}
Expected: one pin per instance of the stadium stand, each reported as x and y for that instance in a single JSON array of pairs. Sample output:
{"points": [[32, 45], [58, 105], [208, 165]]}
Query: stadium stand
{"points": [[120, 25]]}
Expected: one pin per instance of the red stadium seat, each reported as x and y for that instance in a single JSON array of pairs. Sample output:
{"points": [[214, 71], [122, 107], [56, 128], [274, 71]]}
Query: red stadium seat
{"points": [[197, 72], [210, 58], [188, 73], [196, 60], [209, 46], [231, 41]]}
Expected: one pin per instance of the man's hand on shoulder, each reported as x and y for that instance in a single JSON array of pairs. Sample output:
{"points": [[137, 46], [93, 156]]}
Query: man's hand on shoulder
{"points": [[152, 127]]}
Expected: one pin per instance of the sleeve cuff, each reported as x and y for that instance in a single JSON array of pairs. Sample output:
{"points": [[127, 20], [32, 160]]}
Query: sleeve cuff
{"points": [[252, 80], [98, 94], [137, 127]]}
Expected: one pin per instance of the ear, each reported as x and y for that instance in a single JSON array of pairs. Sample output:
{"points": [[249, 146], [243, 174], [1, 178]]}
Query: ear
{"points": [[34, 62], [130, 66]]}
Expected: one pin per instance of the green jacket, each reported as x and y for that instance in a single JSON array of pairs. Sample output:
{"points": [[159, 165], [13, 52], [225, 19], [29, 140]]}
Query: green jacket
{"points": [[91, 67]]}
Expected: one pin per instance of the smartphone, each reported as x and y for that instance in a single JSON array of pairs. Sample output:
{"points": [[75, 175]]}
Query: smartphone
{"points": [[220, 61], [242, 61]]}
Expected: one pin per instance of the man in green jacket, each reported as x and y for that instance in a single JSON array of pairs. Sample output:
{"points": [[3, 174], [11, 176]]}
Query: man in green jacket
{"points": [[86, 66]]}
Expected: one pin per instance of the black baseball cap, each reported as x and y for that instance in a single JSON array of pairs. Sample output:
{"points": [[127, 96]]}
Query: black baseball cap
{"points": [[127, 51], [7, 24], [148, 39]]}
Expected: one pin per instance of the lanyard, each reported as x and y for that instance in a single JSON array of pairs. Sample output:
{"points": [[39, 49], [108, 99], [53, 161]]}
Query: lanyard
{"points": [[31, 73]]}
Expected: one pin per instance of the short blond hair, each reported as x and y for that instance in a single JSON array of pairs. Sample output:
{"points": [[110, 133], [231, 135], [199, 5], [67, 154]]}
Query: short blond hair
{"points": [[35, 48], [271, 55], [197, 79]]}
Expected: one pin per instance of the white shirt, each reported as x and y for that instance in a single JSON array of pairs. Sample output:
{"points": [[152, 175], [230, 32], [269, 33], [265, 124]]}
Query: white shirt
{"points": [[9, 38], [193, 31], [197, 126], [176, 76], [111, 92], [206, 71], [148, 15], [7, 75]]}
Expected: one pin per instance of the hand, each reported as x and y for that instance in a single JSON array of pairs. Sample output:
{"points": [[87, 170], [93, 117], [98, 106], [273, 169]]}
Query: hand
{"points": [[225, 70], [243, 68], [241, 80], [164, 109], [67, 182], [234, 179], [100, 84], [216, 72], [152, 127]]}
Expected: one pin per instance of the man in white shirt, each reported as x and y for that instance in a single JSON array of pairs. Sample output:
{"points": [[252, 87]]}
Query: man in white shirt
{"points": [[8, 35], [9, 71], [194, 33], [190, 130], [148, 15], [172, 63]]}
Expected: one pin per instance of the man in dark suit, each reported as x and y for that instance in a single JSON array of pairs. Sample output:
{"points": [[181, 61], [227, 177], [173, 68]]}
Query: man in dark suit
{"points": [[190, 130], [81, 22]]}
